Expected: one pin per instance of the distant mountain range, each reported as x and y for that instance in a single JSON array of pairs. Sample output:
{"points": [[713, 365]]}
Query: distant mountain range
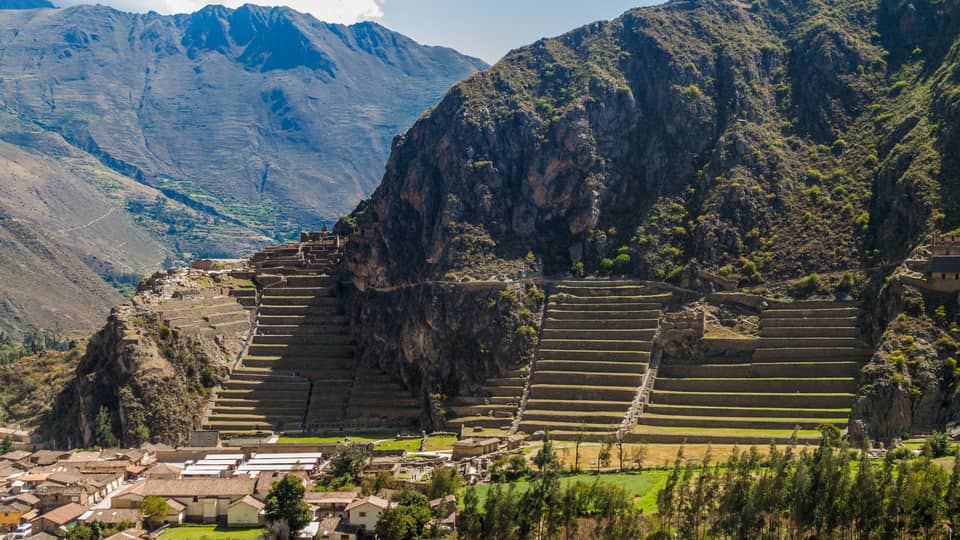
{"points": [[130, 139]]}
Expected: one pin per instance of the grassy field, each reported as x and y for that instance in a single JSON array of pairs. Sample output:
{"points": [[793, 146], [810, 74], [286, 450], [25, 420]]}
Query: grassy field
{"points": [[362, 437], [210, 532], [439, 442], [410, 445], [643, 487]]}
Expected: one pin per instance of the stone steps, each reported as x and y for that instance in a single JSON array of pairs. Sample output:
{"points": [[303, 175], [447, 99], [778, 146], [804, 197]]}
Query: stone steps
{"points": [[598, 356], [598, 334], [812, 322], [600, 324], [744, 412], [306, 329], [822, 354], [762, 370], [819, 400], [809, 342], [619, 307], [298, 320], [300, 350], [339, 339], [570, 313], [325, 301], [811, 312], [846, 385], [595, 345], [587, 378], [583, 392], [594, 417], [699, 422], [809, 331], [303, 310], [575, 405], [598, 366]]}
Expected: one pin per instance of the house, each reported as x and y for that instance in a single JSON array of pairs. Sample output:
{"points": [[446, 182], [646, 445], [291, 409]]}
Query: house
{"points": [[245, 512], [330, 503], [266, 479], [60, 519], [336, 528], [129, 534], [44, 458], [128, 498], [468, 448], [12, 514], [206, 500], [17, 456], [175, 512], [364, 513], [114, 516], [163, 471]]}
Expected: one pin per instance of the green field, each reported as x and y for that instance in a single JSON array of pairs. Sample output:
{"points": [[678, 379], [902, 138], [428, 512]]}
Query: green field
{"points": [[210, 532], [410, 445], [439, 442], [333, 439], [643, 487]]}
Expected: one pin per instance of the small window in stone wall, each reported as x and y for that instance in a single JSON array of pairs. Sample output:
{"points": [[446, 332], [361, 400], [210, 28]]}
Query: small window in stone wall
{"points": [[363, 514]]}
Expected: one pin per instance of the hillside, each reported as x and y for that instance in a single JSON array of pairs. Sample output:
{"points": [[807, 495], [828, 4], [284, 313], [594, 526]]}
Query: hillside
{"points": [[241, 126], [258, 117], [761, 141], [43, 285]]}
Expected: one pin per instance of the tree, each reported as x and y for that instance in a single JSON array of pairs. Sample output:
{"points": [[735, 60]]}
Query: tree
{"points": [[5, 445], [469, 520], [286, 508], [445, 481], [103, 428], [407, 520], [350, 459], [155, 509]]}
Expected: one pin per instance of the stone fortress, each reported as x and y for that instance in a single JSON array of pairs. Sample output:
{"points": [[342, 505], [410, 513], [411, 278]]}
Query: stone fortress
{"points": [[607, 365]]}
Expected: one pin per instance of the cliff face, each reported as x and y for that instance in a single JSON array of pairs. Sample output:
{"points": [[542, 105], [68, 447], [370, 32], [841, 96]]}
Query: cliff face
{"points": [[153, 365], [444, 339]]}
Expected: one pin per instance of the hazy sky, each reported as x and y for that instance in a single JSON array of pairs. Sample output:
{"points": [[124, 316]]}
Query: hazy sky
{"points": [[487, 29]]}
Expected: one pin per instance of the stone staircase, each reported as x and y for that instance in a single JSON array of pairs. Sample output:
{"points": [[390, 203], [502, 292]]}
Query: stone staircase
{"points": [[596, 343], [802, 374], [493, 407], [298, 372]]}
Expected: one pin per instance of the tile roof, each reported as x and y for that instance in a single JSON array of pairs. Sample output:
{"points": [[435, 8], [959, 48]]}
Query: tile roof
{"points": [[65, 514], [199, 487], [249, 501], [373, 499]]}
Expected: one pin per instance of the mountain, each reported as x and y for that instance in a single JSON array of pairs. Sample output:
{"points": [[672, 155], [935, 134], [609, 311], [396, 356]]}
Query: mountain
{"points": [[131, 140], [751, 143], [262, 117]]}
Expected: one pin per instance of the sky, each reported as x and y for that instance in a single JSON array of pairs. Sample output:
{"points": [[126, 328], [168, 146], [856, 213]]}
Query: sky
{"points": [[486, 29]]}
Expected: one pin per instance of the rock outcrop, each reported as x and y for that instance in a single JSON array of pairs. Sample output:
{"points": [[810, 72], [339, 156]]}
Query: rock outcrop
{"points": [[153, 364]]}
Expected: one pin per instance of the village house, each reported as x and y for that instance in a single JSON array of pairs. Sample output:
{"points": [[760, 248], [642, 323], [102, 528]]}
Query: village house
{"points": [[364, 513], [206, 500], [163, 471], [14, 512], [329, 504], [245, 512], [61, 519], [114, 517]]}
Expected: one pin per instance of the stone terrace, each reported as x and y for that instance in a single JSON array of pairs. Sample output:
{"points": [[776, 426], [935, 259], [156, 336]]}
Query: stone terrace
{"points": [[298, 372], [803, 373], [595, 348]]}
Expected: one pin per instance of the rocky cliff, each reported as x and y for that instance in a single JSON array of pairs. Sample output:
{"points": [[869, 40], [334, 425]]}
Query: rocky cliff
{"points": [[154, 364]]}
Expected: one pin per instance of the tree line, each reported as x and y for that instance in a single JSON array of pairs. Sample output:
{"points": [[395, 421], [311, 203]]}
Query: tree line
{"points": [[831, 492]]}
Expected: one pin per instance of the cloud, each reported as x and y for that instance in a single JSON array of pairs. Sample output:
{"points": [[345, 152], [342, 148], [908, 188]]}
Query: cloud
{"points": [[335, 11]]}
